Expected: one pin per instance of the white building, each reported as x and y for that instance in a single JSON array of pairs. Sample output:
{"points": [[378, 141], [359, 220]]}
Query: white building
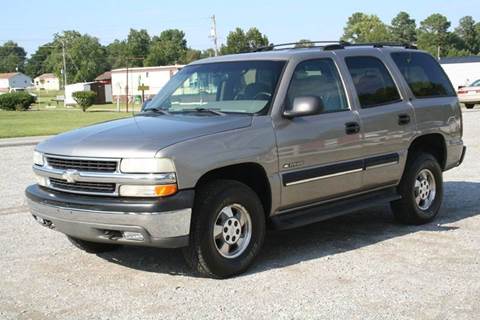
{"points": [[153, 77], [47, 81], [104, 92], [14, 80], [462, 71]]}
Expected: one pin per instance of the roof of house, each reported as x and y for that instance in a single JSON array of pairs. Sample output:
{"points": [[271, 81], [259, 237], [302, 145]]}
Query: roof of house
{"points": [[157, 68], [451, 60], [8, 75], [104, 76], [47, 76]]}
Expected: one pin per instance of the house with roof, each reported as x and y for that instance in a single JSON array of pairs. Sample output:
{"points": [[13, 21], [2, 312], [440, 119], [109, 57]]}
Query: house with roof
{"points": [[47, 81], [151, 78], [104, 78], [462, 71], [14, 80]]}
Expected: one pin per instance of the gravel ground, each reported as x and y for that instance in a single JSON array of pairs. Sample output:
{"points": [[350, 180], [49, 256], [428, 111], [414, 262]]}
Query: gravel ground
{"points": [[362, 266]]}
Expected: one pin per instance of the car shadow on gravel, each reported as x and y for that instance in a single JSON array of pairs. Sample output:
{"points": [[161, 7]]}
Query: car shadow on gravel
{"points": [[285, 248]]}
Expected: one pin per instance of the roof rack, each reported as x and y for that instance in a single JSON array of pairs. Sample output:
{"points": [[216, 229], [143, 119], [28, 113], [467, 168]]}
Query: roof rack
{"points": [[297, 45], [375, 45], [330, 45]]}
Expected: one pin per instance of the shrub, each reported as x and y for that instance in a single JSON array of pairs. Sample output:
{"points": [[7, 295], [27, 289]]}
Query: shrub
{"points": [[85, 99], [19, 101]]}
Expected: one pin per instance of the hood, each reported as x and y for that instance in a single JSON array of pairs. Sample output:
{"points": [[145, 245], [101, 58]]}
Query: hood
{"points": [[140, 136]]}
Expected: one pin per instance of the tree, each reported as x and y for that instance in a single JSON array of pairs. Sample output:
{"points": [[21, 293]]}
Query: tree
{"points": [[304, 43], [240, 41], [192, 55], [84, 99], [255, 39], [467, 31], [362, 27], [138, 44], [433, 34], [117, 53], [86, 57], [168, 48], [403, 28], [37, 64], [12, 57]]}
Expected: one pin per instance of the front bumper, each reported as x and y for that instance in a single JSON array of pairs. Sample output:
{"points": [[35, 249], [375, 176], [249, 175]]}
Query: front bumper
{"points": [[160, 222]]}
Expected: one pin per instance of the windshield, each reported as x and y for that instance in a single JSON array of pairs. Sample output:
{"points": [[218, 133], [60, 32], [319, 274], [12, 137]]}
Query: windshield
{"points": [[475, 84], [240, 87]]}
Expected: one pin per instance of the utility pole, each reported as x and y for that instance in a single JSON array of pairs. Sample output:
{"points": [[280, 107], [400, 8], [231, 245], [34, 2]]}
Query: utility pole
{"points": [[64, 73], [213, 35], [126, 88]]}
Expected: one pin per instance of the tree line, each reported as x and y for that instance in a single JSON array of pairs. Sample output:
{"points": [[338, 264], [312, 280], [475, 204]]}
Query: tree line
{"points": [[432, 34], [87, 57]]}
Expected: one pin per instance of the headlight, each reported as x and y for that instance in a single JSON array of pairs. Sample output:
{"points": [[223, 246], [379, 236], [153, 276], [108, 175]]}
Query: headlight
{"points": [[147, 165], [38, 158], [148, 191]]}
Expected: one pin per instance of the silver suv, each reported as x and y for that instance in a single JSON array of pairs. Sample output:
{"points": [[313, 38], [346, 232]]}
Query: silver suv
{"points": [[236, 144]]}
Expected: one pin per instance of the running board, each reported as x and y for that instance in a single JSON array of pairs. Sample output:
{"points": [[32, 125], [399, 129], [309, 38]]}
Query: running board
{"points": [[293, 218]]}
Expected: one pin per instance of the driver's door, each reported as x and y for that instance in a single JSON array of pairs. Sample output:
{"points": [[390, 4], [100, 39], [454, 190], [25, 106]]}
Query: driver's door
{"points": [[319, 155]]}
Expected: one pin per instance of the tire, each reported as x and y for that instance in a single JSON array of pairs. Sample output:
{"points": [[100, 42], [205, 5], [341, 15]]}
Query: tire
{"points": [[93, 247], [211, 214], [469, 106], [409, 210]]}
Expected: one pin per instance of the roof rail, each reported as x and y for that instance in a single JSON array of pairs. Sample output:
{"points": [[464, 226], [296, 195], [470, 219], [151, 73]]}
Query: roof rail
{"points": [[330, 45], [373, 44], [298, 45]]}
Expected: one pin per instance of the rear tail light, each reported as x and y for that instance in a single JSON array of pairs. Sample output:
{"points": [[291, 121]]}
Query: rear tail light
{"points": [[462, 92]]}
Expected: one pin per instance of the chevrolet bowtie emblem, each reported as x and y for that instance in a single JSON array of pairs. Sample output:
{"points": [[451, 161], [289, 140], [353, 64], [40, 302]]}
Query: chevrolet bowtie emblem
{"points": [[70, 175]]}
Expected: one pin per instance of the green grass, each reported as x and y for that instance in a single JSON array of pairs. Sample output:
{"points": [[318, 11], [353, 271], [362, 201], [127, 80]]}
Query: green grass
{"points": [[39, 123], [46, 117]]}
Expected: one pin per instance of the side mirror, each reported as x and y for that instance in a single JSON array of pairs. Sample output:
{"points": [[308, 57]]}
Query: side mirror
{"points": [[305, 106]]}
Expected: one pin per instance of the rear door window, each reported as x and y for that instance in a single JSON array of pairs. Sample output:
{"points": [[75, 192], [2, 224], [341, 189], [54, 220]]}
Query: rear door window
{"points": [[423, 74], [374, 84]]}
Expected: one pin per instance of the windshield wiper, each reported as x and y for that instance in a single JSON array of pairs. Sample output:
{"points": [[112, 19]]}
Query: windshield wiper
{"points": [[159, 110], [214, 111]]}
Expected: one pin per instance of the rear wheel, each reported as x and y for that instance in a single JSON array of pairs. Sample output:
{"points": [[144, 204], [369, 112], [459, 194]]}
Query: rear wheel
{"points": [[421, 189], [469, 106], [227, 231], [92, 247]]}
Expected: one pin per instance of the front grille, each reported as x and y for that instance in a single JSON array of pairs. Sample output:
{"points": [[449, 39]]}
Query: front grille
{"points": [[89, 187], [82, 165]]}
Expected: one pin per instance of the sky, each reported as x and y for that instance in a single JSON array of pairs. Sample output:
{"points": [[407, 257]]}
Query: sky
{"points": [[33, 23]]}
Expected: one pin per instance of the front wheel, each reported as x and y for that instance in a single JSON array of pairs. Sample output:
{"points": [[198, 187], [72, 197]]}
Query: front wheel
{"points": [[227, 230], [421, 189], [469, 106]]}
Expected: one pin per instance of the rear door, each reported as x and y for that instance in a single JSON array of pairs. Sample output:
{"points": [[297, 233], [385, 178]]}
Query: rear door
{"points": [[387, 117]]}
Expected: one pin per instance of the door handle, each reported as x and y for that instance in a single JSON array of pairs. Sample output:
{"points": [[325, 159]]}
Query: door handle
{"points": [[403, 119], [352, 128]]}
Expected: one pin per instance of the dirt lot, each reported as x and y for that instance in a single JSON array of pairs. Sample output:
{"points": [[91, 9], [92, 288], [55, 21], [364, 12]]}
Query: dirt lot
{"points": [[363, 266]]}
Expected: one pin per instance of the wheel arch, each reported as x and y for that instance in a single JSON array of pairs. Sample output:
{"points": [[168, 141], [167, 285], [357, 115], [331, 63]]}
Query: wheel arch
{"points": [[250, 173], [432, 143]]}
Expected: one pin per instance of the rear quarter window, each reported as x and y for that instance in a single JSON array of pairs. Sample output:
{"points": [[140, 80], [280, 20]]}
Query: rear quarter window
{"points": [[424, 75]]}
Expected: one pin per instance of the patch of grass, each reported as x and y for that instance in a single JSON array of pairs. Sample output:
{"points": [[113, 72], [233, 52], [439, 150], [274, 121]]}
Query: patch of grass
{"points": [[45, 101], [39, 123]]}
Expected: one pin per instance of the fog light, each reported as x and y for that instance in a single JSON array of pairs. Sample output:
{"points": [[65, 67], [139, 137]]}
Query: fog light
{"points": [[136, 236]]}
